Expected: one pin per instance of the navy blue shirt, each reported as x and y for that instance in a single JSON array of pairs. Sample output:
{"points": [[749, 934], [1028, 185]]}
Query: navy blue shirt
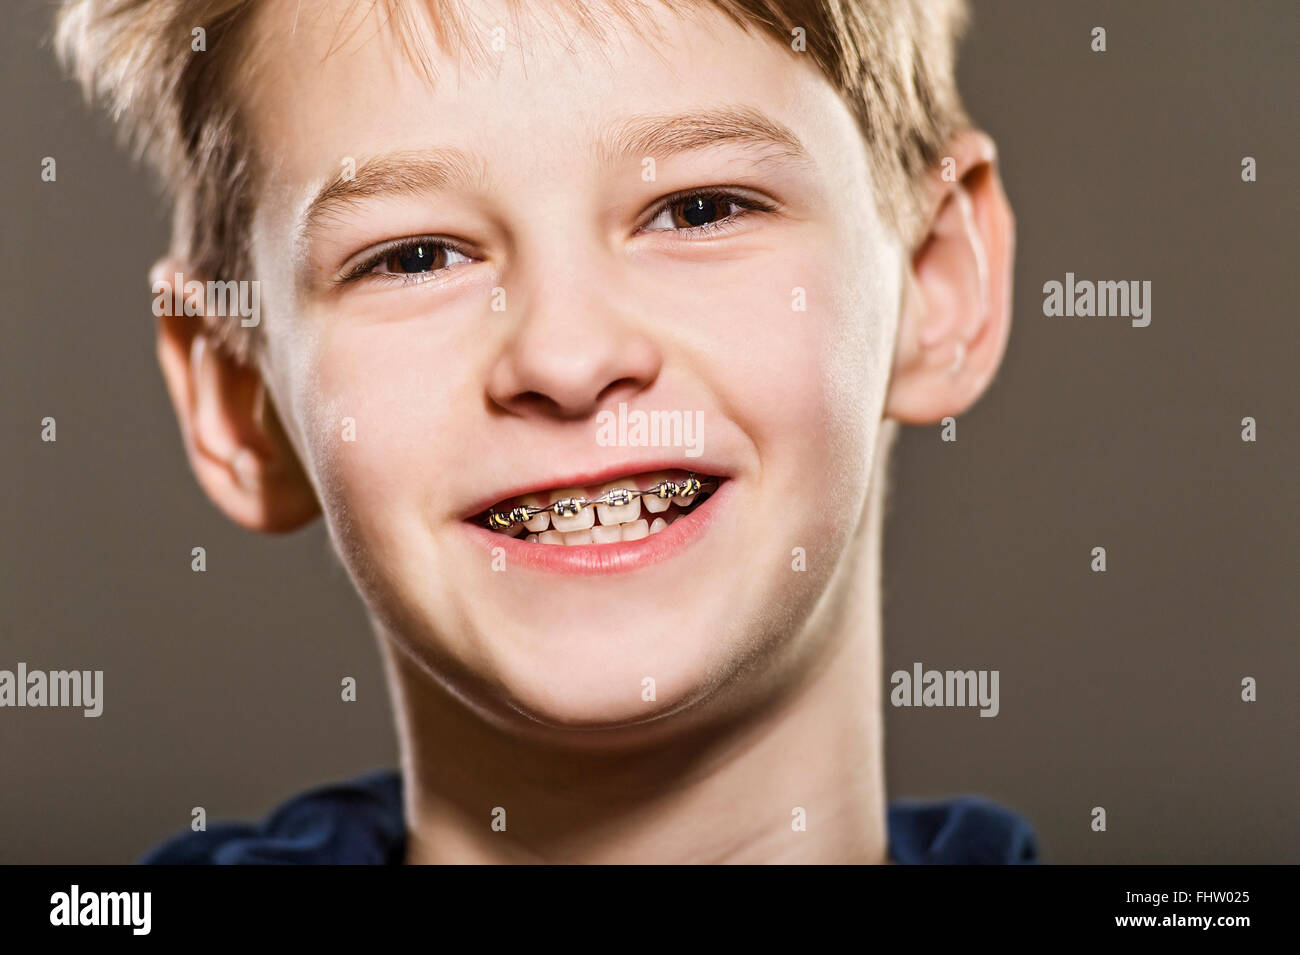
{"points": [[362, 822]]}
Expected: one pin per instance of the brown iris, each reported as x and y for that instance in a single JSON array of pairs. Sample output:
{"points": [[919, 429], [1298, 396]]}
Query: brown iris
{"points": [[422, 257]]}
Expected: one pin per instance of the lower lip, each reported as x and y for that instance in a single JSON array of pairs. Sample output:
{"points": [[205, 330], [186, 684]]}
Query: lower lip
{"points": [[620, 558]]}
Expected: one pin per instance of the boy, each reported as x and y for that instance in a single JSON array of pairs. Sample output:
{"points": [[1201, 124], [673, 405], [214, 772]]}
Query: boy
{"points": [[586, 327]]}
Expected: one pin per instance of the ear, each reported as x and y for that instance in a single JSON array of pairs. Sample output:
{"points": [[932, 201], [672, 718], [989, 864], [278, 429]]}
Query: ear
{"points": [[234, 440], [956, 309]]}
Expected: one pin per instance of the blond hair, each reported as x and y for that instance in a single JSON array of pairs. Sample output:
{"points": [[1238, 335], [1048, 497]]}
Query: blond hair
{"points": [[892, 61]]}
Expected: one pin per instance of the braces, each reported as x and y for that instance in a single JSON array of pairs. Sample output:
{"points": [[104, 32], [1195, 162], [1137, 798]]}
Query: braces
{"points": [[615, 497]]}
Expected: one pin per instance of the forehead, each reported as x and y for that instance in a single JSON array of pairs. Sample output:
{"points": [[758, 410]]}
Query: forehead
{"points": [[516, 83]]}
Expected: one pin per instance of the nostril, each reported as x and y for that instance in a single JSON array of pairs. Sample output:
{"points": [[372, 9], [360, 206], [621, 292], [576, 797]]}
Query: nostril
{"points": [[609, 391], [537, 404], [536, 401]]}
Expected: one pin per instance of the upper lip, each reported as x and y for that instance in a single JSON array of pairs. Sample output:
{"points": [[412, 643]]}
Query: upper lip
{"points": [[596, 475]]}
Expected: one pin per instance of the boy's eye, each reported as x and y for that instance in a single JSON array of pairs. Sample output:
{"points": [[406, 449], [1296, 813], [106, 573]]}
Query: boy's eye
{"points": [[693, 212], [420, 258], [702, 212]]}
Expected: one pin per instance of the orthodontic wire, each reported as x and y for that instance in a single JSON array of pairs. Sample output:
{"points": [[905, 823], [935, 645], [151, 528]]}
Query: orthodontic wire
{"points": [[571, 506]]}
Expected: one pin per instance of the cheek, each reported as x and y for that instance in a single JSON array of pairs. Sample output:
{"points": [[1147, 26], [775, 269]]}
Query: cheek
{"points": [[802, 349], [380, 416]]}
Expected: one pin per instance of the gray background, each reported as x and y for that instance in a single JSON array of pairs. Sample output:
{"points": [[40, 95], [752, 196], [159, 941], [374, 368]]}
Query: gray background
{"points": [[1118, 689]]}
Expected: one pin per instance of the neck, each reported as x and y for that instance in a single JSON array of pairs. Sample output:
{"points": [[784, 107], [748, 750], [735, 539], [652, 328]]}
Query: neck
{"points": [[728, 790]]}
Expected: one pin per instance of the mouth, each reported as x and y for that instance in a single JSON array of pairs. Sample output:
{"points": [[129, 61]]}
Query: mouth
{"points": [[624, 509]]}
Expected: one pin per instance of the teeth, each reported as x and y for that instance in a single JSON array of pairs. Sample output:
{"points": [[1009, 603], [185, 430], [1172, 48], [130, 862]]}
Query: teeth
{"points": [[581, 521], [606, 534], [619, 513], [571, 515], [653, 502], [681, 500], [542, 521]]}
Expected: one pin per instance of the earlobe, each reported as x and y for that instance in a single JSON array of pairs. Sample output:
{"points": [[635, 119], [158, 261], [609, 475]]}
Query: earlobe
{"points": [[956, 310], [235, 445]]}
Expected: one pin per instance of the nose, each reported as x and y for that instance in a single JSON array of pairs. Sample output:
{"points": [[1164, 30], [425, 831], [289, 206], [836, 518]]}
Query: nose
{"points": [[575, 343]]}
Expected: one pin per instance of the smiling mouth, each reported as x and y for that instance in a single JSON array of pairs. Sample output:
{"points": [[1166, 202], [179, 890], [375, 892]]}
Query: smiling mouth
{"points": [[625, 509]]}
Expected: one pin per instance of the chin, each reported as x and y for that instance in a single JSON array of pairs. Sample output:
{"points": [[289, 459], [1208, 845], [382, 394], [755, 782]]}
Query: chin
{"points": [[602, 671]]}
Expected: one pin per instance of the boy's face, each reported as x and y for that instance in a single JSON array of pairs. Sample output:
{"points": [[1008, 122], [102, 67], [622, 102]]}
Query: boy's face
{"points": [[444, 380]]}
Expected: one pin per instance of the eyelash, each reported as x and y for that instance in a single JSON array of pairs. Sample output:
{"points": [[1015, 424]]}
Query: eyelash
{"points": [[745, 204]]}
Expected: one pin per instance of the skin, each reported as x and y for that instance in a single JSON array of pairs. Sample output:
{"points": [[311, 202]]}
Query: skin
{"points": [[523, 689]]}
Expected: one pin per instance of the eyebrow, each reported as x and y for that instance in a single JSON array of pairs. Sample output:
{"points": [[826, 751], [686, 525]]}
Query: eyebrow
{"points": [[398, 173], [665, 135], [658, 136]]}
